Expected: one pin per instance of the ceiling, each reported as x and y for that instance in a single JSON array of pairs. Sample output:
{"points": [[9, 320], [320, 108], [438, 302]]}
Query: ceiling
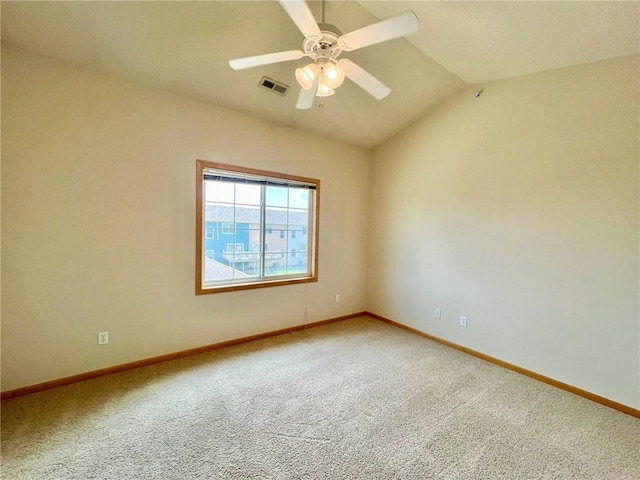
{"points": [[184, 47]]}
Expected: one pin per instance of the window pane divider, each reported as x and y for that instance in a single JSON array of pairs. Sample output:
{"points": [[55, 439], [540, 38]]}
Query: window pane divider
{"points": [[263, 230]]}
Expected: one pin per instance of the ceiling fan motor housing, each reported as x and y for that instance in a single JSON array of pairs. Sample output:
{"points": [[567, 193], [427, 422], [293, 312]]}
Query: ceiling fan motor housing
{"points": [[324, 48]]}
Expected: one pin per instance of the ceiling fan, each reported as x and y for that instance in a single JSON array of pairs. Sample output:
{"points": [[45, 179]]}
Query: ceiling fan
{"points": [[323, 43]]}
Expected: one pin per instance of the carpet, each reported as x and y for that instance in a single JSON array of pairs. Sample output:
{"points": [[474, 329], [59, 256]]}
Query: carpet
{"points": [[356, 399]]}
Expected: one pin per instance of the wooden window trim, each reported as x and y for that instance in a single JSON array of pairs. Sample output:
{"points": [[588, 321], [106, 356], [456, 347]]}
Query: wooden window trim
{"points": [[201, 165]]}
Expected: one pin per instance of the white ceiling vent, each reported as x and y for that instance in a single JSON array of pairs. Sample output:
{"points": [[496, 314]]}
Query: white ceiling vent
{"points": [[274, 86]]}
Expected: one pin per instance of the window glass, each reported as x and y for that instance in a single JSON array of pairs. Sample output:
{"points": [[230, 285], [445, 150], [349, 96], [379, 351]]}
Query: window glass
{"points": [[238, 210]]}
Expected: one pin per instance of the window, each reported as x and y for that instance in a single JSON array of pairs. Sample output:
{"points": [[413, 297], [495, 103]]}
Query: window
{"points": [[209, 253], [209, 233], [228, 228], [235, 247], [247, 204]]}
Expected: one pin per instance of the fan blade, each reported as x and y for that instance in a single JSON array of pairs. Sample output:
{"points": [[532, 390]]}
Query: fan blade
{"points": [[364, 79], [266, 59], [306, 97], [301, 15], [394, 27]]}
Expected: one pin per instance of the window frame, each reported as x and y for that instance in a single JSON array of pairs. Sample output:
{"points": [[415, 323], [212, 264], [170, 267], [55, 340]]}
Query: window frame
{"points": [[314, 223]]}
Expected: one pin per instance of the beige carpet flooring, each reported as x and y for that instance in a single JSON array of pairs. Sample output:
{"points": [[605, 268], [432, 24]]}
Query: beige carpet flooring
{"points": [[358, 399]]}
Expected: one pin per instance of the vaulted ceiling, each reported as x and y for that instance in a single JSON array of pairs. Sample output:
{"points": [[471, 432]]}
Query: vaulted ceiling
{"points": [[185, 46]]}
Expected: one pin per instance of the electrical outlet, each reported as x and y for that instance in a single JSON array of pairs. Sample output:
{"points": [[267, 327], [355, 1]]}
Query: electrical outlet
{"points": [[103, 338], [337, 298], [437, 314], [463, 321]]}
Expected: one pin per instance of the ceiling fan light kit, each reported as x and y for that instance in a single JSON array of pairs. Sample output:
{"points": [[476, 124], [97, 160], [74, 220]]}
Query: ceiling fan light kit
{"points": [[305, 76], [334, 75], [329, 76], [324, 90], [323, 44]]}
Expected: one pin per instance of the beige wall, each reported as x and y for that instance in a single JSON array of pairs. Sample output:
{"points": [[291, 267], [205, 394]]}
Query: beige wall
{"points": [[519, 209], [98, 221]]}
